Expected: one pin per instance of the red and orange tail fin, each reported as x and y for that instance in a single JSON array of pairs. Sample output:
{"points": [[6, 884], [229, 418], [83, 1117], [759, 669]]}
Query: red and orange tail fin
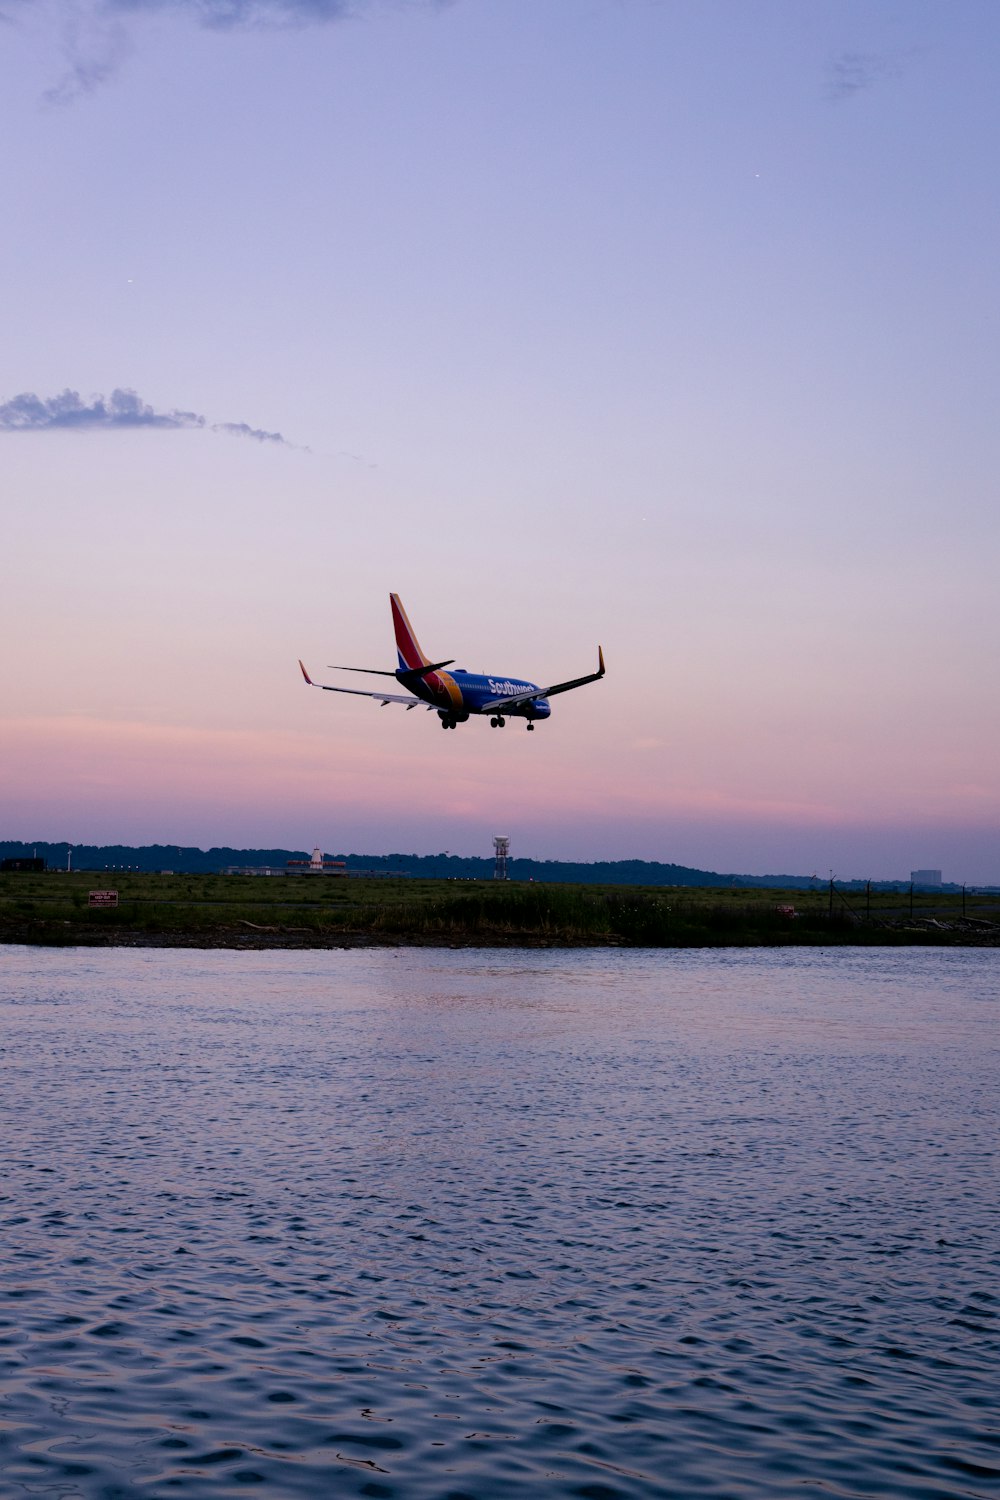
{"points": [[407, 645]]}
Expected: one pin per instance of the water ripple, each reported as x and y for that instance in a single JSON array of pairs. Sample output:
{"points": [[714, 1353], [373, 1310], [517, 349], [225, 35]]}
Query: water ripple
{"points": [[444, 1224]]}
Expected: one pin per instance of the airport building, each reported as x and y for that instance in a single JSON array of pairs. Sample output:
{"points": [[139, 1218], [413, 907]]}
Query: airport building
{"points": [[317, 865]]}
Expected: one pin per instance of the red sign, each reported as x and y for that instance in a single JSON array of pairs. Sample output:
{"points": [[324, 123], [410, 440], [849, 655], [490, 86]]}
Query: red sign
{"points": [[103, 898]]}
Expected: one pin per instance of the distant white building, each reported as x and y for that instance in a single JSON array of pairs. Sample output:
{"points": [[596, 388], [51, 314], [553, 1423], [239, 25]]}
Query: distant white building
{"points": [[925, 877], [317, 865]]}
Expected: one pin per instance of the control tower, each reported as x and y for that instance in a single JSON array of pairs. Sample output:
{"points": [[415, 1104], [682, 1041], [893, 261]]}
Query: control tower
{"points": [[501, 847]]}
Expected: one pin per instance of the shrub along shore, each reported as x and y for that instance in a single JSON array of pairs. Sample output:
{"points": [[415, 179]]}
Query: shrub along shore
{"points": [[234, 911]]}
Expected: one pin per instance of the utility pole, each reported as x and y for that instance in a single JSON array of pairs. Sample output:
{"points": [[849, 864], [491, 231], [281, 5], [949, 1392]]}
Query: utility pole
{"points": [[831, 896]]}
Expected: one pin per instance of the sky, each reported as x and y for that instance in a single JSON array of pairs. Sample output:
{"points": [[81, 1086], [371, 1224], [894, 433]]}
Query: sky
{"points": [[666, 324]]}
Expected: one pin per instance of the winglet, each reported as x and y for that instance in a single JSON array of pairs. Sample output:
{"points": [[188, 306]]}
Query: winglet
{"points": [[600, 661], [306, 675]]}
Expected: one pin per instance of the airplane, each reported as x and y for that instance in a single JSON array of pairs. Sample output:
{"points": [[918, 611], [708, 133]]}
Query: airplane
{"points": [[456, 696]]}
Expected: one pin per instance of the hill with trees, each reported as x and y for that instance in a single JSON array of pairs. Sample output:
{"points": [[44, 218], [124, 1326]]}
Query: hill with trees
{"points": [[150, 858]]}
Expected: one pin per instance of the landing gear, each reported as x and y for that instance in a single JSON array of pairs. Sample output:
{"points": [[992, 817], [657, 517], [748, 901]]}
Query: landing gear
{"points": [[530, 728], [447, 722], [498, 722]]}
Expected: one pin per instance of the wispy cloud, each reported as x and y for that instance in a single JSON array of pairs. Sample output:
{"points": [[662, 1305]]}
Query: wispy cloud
{"points": [[240, 429], [122, 410], [850, 73], [30, 413], [96, 37], [247, 12], [95, 44]]}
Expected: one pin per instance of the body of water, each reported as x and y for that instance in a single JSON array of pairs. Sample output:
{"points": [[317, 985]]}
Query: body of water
{"points": [[427, 1224]]}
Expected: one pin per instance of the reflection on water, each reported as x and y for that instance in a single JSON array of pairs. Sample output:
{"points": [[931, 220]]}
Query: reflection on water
{"points": [[438, 1224]]}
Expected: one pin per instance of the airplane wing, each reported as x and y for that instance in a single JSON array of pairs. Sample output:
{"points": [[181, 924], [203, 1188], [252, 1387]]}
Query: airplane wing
{"points": [[549, 692], [383, 698]]}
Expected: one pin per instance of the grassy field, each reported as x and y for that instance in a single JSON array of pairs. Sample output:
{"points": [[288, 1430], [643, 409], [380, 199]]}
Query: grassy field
{"points": [[242, 911]]}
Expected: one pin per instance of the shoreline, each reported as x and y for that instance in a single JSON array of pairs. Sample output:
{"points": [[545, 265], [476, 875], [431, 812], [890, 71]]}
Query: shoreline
{"points": [[291, 942]]}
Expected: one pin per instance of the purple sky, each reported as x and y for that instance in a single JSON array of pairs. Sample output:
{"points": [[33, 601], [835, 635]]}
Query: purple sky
{"points": [[670, 326]]}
